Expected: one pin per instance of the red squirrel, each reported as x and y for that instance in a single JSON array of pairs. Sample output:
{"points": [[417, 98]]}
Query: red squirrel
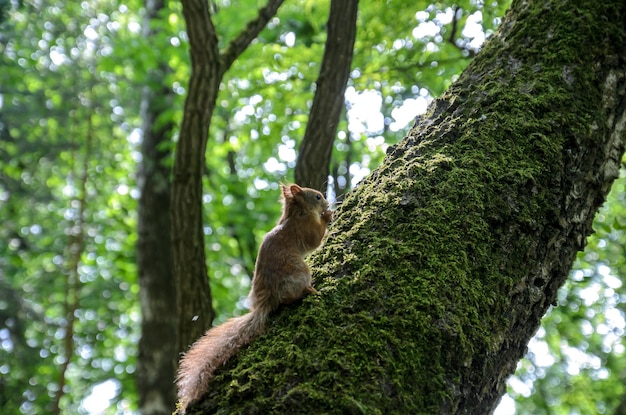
{"points": [[280, 277]]}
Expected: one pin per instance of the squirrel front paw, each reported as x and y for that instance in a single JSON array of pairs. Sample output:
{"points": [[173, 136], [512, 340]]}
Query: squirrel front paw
{"points": [[327, 216]]}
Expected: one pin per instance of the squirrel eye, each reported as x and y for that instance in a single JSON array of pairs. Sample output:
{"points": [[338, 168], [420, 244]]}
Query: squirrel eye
{"points": [[318, 197]]}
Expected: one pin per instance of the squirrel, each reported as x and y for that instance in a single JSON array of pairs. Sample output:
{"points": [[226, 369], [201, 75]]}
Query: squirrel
{"points": [[280, 277]]}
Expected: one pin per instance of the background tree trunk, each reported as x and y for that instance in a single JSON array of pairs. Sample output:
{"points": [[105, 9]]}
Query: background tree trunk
{"points": [[314, 153], [441, 264], [156, 363]]}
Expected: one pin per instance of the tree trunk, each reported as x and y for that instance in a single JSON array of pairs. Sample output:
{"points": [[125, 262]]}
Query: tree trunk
{"points": [[314, 153], [156, 363], [208, 66], [195, 312], [440, 265]]}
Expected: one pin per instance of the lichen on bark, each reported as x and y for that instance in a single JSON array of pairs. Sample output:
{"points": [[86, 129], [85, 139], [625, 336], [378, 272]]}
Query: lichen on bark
{"points": [[440, 265]]}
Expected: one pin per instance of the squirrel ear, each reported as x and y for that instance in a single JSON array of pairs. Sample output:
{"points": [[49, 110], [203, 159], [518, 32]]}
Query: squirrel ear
{"points": [[295, 189], [286, 192]]}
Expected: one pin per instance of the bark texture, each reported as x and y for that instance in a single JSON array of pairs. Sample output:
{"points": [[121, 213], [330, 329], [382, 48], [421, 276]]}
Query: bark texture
{"points": [[195, 311], [208, 66], [441, 264], [156, 363], [314, 153]]}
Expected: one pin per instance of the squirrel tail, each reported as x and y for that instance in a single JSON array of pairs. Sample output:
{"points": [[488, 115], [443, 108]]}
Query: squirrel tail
{"points": [[212, 350]]}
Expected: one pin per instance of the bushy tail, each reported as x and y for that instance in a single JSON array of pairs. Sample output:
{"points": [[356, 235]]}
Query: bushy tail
{"points": [[213, 350]]}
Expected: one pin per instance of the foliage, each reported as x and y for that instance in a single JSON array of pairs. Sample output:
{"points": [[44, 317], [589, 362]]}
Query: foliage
{"points": [[75, 69], [64, 116]]}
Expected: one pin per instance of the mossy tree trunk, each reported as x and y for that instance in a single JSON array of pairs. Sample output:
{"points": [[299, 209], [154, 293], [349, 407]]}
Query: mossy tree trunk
{"points": [[440, 265]]}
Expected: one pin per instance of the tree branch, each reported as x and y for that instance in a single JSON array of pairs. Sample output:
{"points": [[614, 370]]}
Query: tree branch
{"points": [[452, 38], [75, 250], [252, 30]]}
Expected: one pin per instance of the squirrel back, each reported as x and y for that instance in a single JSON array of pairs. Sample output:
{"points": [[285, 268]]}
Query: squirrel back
{"points": [[280, 277]]}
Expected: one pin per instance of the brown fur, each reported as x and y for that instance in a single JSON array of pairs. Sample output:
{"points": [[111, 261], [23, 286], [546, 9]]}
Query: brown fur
{"points": [[280, 277]]}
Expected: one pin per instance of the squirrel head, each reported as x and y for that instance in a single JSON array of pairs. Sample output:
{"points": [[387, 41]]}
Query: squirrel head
{"points": [[302, 201]]}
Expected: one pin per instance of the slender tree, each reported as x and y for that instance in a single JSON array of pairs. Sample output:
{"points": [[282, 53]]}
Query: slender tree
{"points": [[313, 164], [208, 65], [442, 262], [75, 251], [157, 358]]}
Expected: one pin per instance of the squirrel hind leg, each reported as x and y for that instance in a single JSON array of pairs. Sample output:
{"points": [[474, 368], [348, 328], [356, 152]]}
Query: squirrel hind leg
{"points": [[310, 290], [296, 287], [291, 300]]}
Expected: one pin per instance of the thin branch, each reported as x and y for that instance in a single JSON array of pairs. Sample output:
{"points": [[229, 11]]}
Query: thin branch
{"points": [[455, 25], [76, 246], [252, 30], [452, 38]]}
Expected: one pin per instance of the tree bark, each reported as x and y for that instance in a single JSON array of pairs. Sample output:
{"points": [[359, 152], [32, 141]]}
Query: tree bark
{"points": [[156, 363], [440, 265], [195, 312], [208, 66], [313, 164]]}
